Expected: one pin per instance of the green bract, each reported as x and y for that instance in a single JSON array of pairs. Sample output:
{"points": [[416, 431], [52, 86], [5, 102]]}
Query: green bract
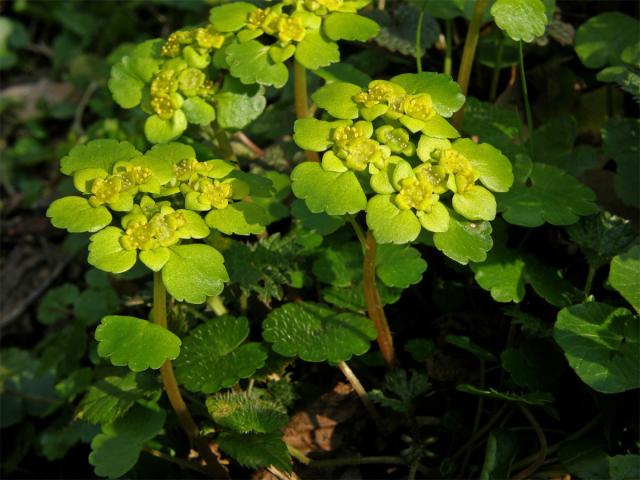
{"points": [[392, 144], [146, 193], [264, 38]]}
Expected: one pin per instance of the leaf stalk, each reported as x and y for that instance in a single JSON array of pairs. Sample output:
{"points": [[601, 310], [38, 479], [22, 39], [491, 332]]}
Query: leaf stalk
{"points": [[300, 99]]}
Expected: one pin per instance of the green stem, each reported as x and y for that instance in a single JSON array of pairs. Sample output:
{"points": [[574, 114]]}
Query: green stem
{"points": [[361, 392], [542, 440], [359, 233], [497, 68], [589, 283], [476, 422], [469, 52], [215, 303], [374, 304], [173, 391], [418, 45], [525, 93], [448, 26], [301, 100], [223, 141]]}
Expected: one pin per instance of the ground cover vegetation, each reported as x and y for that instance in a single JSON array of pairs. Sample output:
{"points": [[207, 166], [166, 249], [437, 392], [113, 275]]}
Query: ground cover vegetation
{"points": [[320, 239]]}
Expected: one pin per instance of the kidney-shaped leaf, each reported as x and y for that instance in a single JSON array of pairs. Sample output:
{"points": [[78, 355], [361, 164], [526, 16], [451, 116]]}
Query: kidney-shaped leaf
{"points": [[241, 218], [213, 356], [134, 342], [389, 224], [625, 276], [316, 333], [337, 99], [194, 272], [601, 39], [601, 345], [349, 26], [464, 241], [399, 265], [520, 19], [251, 63], [101, 153], [445, 93]]}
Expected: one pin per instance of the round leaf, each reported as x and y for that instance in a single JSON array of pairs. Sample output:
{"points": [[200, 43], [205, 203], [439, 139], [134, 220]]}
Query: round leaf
{"points": [[75, 214], [477, 203], [251, 63], [316, 50], [240, 218], [349, 26], [601, 39], [198, 111], [158, 130], [464, 241], [399, 266], [230, 17], [521, 19], [336, 99], [194, 272], [492, 166], [101, 154], [213, 356], [106, 253], [390, 224], [136, 343], [601, 345], [316, 333], [625, 276], [445, 93], [238, 110]]}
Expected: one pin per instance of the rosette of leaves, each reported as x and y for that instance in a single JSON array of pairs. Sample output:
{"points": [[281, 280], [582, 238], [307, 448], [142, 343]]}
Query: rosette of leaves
{"points": [[164, 201], [391, 151], [307, 30], [177, 84]]}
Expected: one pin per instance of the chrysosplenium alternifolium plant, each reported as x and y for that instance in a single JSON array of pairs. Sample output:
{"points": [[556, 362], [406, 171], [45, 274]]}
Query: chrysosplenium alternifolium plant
{"points": [[161, 199], [181, 81], [391, 152]]}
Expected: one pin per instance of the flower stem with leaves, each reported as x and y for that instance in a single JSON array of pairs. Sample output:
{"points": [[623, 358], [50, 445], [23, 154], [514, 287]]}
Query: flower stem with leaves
{"points": [[301, 100]]}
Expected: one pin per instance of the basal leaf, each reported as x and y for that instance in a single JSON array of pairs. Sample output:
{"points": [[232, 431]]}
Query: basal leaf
{"points": [[625, 276], [520, 19], [553, 196], [349, 26], [389, 224], [115, 451], [194, 272], [240, 218], [214, 357], [136, 343], [317, 50], [601, 345], [445, 93], [316, 333], [75, 214], [255, 450], [251, 63], [57, 303], [399, 266], [334, 193], [464, 241], [602, 38], [102, 154]]}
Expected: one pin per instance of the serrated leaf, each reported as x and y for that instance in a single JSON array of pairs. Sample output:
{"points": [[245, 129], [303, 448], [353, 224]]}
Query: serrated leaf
{"points": [[230, 17], [213, 355], [97, 154], [491, 124], [388, 223], [115, 451], [237, 110], [533, 398], [352, 298], [339, 265], [136, 343], [194, 272], [251, 63], [75, 214], [445, 93], [349, 26], [240, 218], [336, 99], [255, 450], [317, 50], [467, 345], [243, 413], [314, 135], [56, 303], [553, 196], [111, 397], [602, 236], [602, 38], [399, 266], [56, 442], [494, 169], [106, 253], [334, 193], [464, 241], [320, 222], [601, 345], [316, 333], [625, 276], [520, 19]]}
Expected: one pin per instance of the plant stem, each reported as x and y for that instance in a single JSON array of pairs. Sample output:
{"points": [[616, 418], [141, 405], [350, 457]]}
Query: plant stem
{"points": [[525, 93], [173, 391], [481, 432], [588, 284], [495, 78], [476, 422], [381, 4], [223, 141], [215, 303], [178, 461], [359, 233], [418, 46], [361, 392], [374, 304], [469, 52], [301, 100], [448, 28], [542, 440]]}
